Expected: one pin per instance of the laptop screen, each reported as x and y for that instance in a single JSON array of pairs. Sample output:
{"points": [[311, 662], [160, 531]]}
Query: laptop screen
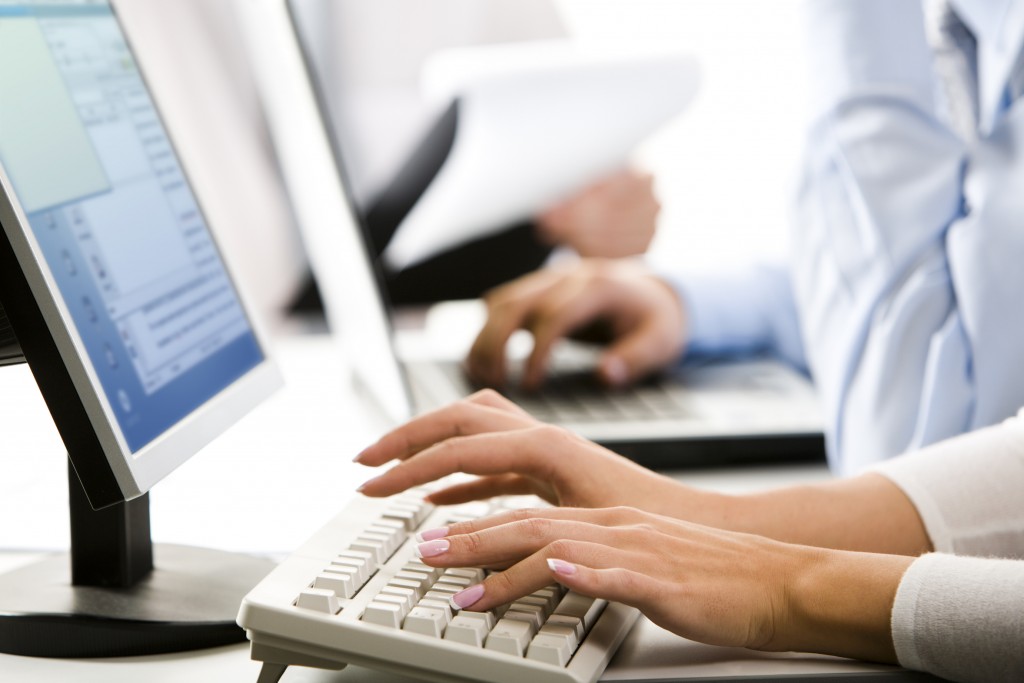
{"points": [[122, 234]]}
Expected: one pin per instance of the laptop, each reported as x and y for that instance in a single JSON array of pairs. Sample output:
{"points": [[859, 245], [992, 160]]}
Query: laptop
{"points": [[712, 413]]}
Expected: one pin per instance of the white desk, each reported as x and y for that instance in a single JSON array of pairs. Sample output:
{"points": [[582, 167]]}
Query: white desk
{"points": [[265, 487]]}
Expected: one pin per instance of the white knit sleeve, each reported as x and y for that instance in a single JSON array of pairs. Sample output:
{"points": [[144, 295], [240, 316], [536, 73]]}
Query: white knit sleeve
{"points": [[961, 618], [969, 490]]}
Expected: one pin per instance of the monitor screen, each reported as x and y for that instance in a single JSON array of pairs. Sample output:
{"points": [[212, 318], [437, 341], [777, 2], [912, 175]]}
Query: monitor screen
{"points": [[91, 165]]}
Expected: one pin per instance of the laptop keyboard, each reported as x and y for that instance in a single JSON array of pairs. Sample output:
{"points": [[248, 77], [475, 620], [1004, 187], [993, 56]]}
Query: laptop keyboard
{"points": [[578, 397]]}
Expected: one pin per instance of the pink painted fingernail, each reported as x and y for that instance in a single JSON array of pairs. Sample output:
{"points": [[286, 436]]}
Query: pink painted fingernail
{"points": [[561, 567], [468, 597], [433, 548], [431, 534]]}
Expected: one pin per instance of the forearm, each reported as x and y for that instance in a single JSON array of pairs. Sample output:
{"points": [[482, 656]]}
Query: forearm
{"points": [[840, 603], [867, 513]]}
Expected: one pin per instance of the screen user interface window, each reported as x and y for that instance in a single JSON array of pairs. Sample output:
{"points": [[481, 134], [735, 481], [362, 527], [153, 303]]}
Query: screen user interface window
{"points": [[91, 164]]}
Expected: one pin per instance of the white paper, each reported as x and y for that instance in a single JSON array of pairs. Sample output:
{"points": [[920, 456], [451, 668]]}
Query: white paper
{"points": [[537, 123]]}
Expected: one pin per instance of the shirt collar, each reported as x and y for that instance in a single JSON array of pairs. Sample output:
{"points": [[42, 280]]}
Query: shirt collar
{"points": [[998, 27]]}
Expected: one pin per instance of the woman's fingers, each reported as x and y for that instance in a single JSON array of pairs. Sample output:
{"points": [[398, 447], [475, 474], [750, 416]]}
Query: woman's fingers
{"points": [[509, 543], [533, 573], [523, 451], [483, 412], [492, 399], [483, 488], [633, 588], [616, 516]]}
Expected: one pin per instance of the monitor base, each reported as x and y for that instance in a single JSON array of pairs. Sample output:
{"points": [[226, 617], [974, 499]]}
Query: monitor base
{"points": [[188, 602]]}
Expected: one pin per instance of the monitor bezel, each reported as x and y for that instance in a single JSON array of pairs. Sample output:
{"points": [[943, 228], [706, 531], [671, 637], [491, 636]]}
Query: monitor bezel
{"points": [[325, 208], [135, 473]]}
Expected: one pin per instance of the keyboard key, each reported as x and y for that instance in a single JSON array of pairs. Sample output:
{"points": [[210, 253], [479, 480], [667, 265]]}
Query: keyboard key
{"points": [[417, 565], [510, 636], [372, 546], [566, 633], [393, 538], [550, 596], [543, 604], [407, 596], [359, 570], [443, 606], [404, 515], [473, 574], [425, 620], [467, 631], [387, 599], [446, 587], [384, 614], [531, 614], [358, 555], [460, 581], [417, 587], [343, 585], [486, 618], [416, 577], [319, 600], [582, 607], [574, 623], [550, 650]]}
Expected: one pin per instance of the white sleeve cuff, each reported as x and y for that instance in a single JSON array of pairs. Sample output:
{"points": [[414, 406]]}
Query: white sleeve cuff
{"points": [[961, 618]]}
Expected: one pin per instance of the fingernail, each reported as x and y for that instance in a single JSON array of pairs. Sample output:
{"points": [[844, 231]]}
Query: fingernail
{"points": [[615, 370], [468, 597], [366, 484], [433, 548], [359, 457], [561, 567], [431, 534]]}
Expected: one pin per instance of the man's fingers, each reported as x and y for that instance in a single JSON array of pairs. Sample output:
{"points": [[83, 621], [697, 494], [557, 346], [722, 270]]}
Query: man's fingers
{"points": [[508, 307], [650, 347], [567, 307]]}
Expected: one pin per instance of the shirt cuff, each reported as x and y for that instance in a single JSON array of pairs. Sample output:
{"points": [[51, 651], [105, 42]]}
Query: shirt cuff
{"points": [[748, 311]]}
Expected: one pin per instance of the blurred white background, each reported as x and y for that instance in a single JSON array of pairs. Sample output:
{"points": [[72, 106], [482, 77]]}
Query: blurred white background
{"points": [[726, 168]]}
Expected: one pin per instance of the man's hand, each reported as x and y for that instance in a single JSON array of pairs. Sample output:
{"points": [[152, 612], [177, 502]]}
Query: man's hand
{"points": [[613, 218], [643, 315]]}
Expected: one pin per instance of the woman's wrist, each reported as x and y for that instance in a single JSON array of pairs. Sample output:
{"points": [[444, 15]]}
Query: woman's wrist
{"points": [[840, 603]]}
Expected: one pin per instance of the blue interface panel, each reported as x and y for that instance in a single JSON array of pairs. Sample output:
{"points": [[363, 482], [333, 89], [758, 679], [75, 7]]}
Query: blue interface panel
{"points": [[90, 162]]}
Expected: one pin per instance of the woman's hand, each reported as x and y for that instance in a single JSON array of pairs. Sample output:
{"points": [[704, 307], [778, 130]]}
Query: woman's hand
{"points": [[643, 317], [706, 584], [489, 436]]}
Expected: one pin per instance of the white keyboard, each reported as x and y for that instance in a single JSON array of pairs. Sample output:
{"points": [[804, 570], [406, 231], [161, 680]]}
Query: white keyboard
{"points": [[356, 593]]}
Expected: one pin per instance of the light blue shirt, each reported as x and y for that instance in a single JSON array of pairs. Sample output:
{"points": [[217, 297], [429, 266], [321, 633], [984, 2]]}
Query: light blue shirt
{"points": [[908, 267]]}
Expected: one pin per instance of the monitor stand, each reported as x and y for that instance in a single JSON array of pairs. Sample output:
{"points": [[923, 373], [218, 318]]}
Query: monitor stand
{"points": [[116, 595]]}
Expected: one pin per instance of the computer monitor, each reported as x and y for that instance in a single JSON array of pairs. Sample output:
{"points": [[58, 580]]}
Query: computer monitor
{"points": [[10, 349], [132, 326]]}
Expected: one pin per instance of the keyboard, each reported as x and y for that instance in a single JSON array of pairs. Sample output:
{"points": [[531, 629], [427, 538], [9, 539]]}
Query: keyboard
{"points": [[356, 593], [575, 396]]}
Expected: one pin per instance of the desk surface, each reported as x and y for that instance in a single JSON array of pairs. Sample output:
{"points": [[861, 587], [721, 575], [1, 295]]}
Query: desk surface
{"points": [[287, 468]]}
